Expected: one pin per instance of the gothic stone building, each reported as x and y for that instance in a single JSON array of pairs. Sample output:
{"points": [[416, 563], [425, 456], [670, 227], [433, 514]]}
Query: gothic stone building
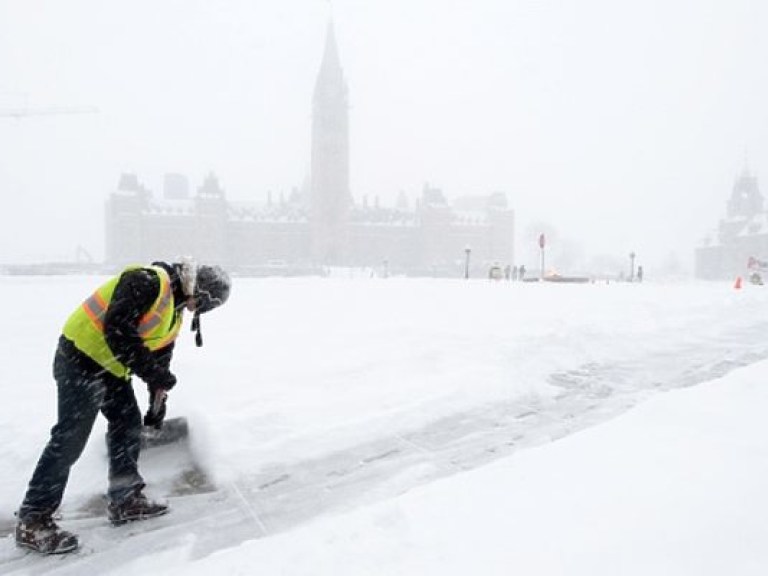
{"points": [[741, 237], [320, 225]]}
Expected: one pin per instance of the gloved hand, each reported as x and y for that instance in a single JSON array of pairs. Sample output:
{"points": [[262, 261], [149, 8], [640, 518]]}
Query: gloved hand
{"points": [[165, 380], [156, 411]]}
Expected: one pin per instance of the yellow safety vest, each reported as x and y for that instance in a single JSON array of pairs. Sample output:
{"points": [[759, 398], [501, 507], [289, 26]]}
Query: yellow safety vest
{"points": [[157, 328]]}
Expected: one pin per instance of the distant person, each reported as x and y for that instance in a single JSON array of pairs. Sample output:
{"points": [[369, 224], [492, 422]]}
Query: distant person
{"points": [[521, 273], [514, 272], [127, 326], [507, 272], [639, 273]]}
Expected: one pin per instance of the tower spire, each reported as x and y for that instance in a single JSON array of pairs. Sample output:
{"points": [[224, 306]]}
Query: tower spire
{"points": [[330, 197], [746, 160], [330, 67]]}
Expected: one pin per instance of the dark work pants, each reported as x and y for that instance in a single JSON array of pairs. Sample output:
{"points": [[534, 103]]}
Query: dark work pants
{"points": [[84, 389]]}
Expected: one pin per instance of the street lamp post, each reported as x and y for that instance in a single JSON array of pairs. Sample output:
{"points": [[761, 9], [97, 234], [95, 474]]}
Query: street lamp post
{"points": [[467, 251], [631, 266]]}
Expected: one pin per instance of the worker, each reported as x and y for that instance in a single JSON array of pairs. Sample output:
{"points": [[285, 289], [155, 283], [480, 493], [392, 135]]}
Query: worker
{"points": [[127, 326]]}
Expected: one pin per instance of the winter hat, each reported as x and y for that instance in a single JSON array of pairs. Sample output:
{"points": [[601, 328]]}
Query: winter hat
{"points": [[212, 288]]}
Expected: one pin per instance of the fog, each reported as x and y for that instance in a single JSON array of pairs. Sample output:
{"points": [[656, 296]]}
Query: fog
{"points": [[614, 127]]}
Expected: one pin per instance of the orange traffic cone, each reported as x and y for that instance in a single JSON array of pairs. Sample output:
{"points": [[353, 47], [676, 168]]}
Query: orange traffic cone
{"points": [[737, 284]]}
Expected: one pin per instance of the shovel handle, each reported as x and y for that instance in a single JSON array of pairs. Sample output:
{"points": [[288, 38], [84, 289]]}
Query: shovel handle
{"points": [[157, 401]]}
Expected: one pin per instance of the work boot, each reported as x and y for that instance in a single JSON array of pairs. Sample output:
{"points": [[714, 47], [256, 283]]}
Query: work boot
{"points": [[135, 507], [44, 536]]}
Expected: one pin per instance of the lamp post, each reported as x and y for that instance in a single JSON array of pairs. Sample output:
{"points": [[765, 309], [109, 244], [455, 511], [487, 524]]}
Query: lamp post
{"points": [[467, 251], [631, 266]]}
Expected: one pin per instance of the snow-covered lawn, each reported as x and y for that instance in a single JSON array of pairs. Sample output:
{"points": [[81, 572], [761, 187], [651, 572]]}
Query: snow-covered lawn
{"points": [[675, 487]]}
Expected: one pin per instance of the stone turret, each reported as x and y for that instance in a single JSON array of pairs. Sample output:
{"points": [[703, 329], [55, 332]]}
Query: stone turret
{"points": [[746, 200]]}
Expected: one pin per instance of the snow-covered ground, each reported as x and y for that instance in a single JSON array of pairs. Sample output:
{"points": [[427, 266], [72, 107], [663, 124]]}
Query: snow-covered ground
{"points": [[400, 426]]}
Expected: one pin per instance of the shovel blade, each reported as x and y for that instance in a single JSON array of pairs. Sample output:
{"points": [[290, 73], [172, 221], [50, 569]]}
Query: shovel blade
{"points": [[174, 430]]}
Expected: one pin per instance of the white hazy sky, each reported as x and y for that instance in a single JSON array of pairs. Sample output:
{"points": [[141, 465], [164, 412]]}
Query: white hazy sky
{"points": [[619, 125]]}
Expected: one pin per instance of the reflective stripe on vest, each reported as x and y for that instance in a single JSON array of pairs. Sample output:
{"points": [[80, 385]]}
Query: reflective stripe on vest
{"points": [[158, 327], [96, 308]]}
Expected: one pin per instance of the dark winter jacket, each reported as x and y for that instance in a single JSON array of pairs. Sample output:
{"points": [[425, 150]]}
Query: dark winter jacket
{"points": [[134, 295]]}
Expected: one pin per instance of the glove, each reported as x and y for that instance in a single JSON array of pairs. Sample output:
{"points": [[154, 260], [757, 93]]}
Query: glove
{"points": [[163, 381], [156, 411]]}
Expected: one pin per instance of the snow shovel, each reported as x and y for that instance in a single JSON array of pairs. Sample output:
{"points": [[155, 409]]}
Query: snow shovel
{"points": [[172, 431]]}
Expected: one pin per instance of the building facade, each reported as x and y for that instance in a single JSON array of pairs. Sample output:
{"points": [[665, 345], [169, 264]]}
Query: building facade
{"points": [[312, 228], [741, 238]]}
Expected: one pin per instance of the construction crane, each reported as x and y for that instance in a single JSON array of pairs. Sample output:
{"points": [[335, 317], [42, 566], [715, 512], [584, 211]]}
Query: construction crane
{"points": [[19, 113]]}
